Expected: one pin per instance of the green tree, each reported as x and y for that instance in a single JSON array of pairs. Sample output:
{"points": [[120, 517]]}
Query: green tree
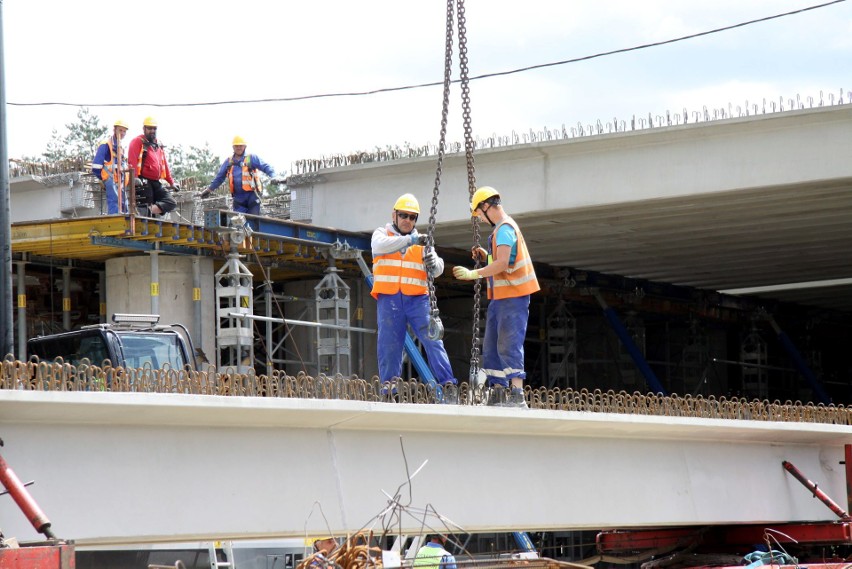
{"points": [[80, 140], [198, 163]]}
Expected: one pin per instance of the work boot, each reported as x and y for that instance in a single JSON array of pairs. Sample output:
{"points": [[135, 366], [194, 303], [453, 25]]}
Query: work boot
{"points": [[496, 396], [450, 394], [517, 399]]}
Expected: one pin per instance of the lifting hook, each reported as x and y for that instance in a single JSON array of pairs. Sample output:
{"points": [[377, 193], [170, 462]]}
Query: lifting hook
{"points": [[436, 327]]}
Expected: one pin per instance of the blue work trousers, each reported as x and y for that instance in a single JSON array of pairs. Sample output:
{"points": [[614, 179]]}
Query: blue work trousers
{"points": [[115, 203], [395, 313], [503, 348], [246, 202]]}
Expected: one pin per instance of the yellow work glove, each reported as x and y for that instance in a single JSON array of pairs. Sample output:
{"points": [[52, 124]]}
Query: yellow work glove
{"points": [[465, 274]]}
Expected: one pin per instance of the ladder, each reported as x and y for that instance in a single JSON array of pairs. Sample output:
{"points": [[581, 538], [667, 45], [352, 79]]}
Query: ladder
{"points": [[228, 549]]}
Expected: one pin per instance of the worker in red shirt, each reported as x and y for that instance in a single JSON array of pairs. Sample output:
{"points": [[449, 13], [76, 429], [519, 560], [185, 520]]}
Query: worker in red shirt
{"points": [[146, 159]]}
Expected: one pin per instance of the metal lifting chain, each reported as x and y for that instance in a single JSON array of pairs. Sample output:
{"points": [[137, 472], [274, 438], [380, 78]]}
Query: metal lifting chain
{"points": [[436, 327], [471, 186]]}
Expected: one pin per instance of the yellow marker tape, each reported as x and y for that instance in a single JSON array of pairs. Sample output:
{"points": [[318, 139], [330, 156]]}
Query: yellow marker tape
{"points": [[22, 301], [155, 289], [196, 293], [66, 304]]}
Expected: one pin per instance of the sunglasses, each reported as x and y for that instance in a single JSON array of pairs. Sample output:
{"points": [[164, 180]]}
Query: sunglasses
{"points": [[404, 215]]}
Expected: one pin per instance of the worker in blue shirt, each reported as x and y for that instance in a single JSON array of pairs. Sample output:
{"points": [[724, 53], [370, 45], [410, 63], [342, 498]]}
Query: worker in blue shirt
{"points": [[243, 179], [110, 165]]}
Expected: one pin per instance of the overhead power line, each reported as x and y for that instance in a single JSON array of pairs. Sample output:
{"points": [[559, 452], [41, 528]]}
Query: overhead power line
{"points": [[437, 83]]}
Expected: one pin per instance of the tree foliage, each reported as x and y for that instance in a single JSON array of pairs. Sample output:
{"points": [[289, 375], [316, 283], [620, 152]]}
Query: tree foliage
{"points": [[198, 163], [80, 139]]}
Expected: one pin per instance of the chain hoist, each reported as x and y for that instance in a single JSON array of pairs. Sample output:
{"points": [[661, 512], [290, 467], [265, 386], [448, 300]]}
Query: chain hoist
{"points": [[436, 328]]}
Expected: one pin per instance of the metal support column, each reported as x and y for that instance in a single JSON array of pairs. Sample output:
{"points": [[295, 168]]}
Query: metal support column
{"points": [[155, 281], [234, 297], [22, 310], [267, 300], [66, 298], [332, 307], [6, 333], [754, 355], [197, 312], [102, 292]]}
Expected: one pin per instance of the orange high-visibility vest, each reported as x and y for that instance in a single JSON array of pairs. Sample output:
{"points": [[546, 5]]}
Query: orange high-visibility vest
{"points": [[164, 173], [251, 181], [519, 278], [110, 169], [393, 273]]}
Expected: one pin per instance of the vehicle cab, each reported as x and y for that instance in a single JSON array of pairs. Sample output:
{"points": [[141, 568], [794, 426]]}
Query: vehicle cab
{"points": [[131, 341]]}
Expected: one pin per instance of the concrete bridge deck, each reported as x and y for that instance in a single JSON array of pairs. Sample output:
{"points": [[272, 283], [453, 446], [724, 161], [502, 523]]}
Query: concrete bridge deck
{"points": [[119, 467]]}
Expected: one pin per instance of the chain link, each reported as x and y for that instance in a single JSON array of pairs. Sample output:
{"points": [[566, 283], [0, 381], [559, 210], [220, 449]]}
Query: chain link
{"points": [[436, 327], [471, 186]]}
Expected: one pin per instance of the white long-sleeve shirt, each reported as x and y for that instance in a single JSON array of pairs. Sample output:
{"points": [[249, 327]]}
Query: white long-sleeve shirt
{"points": [[383, 244]]}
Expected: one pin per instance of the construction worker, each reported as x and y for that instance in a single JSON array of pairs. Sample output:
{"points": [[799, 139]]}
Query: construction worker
{"points": [[400, 287], [323, 548], [434, 555], [511, 281], [109, 165], [146, 158], [243, 181]]}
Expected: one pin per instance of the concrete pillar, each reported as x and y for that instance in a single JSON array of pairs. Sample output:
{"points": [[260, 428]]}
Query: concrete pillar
{"points": [[128, 289]]}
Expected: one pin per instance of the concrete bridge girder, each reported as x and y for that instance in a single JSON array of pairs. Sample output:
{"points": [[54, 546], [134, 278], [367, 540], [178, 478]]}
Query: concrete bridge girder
{"points": [[153, 467]]}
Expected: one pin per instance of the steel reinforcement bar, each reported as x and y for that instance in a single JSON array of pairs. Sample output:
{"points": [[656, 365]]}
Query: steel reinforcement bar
{"points": [[57, 376]]}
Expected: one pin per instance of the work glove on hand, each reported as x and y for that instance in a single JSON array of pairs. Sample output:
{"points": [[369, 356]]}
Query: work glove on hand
{"points": [[175, 188], [206, 192], [430, 259], [479, 254], [279, 180], [417, 238], [465, 274]]}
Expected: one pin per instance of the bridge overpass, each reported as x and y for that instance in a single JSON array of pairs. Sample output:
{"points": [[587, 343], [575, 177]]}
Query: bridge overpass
{"points": [[740, 203], [135, 467]]}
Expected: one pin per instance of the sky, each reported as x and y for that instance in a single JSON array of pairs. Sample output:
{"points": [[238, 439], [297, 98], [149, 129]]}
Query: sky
{"points": [[187, 51]]}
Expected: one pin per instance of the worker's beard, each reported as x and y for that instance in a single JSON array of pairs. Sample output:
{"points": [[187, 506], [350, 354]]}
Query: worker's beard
{"points": [[398, 230], [152, 138]]}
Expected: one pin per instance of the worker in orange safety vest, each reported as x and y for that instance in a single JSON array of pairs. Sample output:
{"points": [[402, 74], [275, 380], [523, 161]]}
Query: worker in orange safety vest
{"points": [[109, 166], [401, 290], [511, 280], [241, 170]]}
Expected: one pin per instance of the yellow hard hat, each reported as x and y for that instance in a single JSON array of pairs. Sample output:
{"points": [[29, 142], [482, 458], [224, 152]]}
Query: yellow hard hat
{"points": [[121, 123], [238, 141], [407, 202], [480, 195], [150, 121]]}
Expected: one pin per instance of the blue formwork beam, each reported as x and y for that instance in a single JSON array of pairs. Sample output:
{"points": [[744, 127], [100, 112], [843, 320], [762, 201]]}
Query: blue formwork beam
{"points": [[522, 539], [290, 230], [631, 347], [800, 363]]}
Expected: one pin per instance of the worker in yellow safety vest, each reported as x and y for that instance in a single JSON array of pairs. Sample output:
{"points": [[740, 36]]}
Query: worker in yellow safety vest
{"points": [[401, 290], [109, 166], [434, 555], [511, 280]]}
